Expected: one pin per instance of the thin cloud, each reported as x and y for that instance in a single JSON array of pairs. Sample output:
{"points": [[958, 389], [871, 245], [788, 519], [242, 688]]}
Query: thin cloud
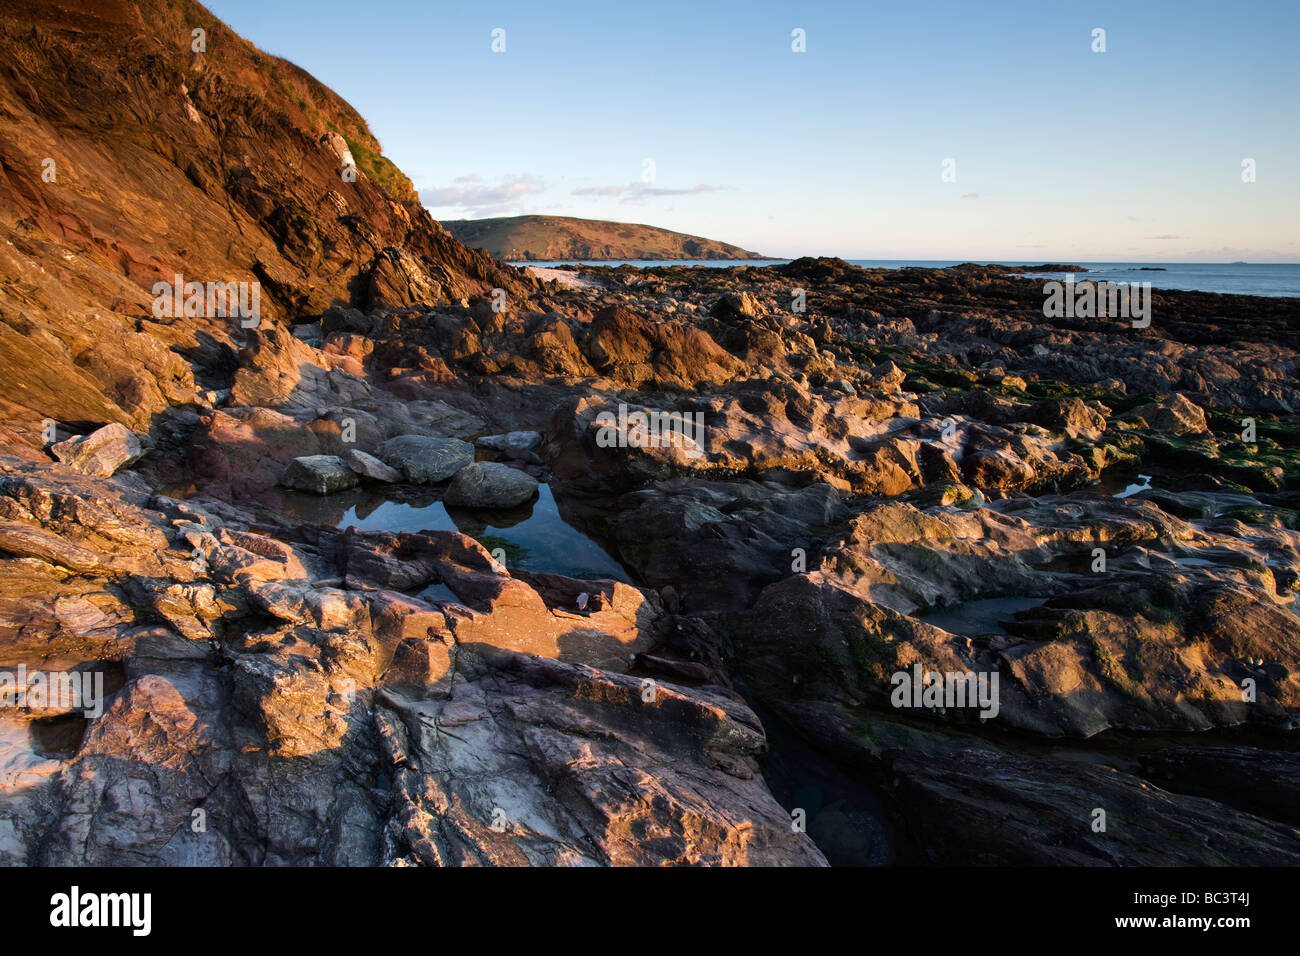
{"points": [[470, 194], [1162, 237], [1233, 253], [599, 191], [970, 196], [640, 192]]}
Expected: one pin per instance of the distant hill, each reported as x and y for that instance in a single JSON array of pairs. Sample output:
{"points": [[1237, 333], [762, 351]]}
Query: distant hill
{"points": [[543, 238]]}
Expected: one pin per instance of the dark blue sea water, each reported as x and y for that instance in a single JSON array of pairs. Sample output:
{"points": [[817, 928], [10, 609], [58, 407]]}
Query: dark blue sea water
{"points": [[1238, 278]]}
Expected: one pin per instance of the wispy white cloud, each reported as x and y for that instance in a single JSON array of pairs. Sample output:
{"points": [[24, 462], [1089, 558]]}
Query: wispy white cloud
{"points": [[470, 195], [599, 191], [639, 192]]}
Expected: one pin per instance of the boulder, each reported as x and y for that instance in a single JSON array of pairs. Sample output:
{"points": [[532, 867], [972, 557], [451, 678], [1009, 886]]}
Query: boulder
{"points": [[368, 466], [1177, 414], [488, 484], [319, 474], [520, 446], [997, 468], [888, 378], [340, 318], [1069, 415], [734, 304], [424, 460], [100, 453]]}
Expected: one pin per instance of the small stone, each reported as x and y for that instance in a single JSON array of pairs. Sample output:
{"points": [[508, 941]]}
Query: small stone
{"points": [[368, 466]]}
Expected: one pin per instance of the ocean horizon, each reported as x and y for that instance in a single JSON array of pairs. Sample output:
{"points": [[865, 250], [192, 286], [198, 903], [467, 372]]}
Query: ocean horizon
{"points": [[1276, 280]]}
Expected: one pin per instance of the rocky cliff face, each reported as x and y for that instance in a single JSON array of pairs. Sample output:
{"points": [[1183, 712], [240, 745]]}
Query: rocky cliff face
{"points": [[548, 238], [133, 150]]}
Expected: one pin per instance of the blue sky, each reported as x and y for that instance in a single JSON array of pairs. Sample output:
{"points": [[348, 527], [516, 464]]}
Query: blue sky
{"points": [[1060, 153]]}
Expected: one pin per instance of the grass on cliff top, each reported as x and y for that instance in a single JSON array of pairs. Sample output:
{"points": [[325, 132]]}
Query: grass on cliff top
{"points": [[378, 167], [321, 108]]}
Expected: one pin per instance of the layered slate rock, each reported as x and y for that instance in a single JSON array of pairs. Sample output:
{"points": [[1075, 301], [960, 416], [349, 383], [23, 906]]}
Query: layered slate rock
{"points": [[237, 142], [424, 460]]}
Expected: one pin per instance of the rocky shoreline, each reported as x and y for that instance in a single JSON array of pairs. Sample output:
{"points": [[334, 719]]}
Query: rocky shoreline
{"points": [[860, 471]]}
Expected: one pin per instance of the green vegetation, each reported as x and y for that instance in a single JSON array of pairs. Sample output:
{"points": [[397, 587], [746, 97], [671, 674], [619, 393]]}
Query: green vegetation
{"points": [[514, 553], [1120, 675], [1264, 517], [1038, 390], [324, 114], [1263, 466], [546, 237], [378, 167], [873, 655]]}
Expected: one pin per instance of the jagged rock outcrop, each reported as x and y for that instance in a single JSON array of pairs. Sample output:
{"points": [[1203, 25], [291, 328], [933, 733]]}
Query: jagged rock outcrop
{"points": [[295, 695]]}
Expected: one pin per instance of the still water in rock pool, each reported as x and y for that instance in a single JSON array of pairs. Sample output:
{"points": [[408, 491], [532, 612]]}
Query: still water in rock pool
{"points": [[534, 537], [985, 616]]}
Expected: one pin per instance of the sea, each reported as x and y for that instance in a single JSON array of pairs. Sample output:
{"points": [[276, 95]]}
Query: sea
{"points": [[1236, 278]]}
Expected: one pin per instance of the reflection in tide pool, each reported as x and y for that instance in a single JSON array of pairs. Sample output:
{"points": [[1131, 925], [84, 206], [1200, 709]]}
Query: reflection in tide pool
{"points": [[440, 593], [976, 618], [1143, 484], [534, 537]]}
